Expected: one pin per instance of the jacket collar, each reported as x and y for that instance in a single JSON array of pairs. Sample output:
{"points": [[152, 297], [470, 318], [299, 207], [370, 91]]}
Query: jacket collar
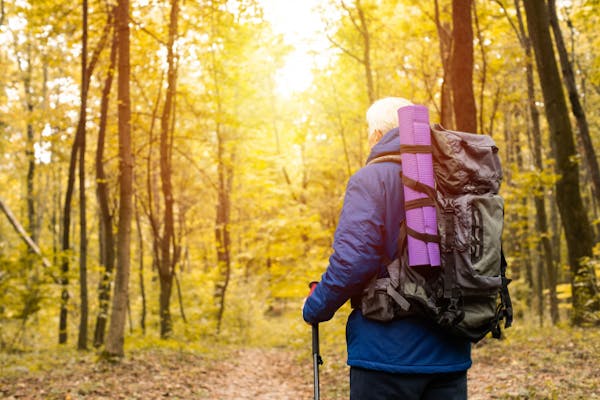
{"points": [[388, 144]]}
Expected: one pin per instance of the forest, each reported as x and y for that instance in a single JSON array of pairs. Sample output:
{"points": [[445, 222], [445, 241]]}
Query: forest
{"points": [[173, 171]]}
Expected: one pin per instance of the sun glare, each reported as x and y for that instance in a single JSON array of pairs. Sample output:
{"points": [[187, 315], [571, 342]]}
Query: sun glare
{"points": [[302, 27]]}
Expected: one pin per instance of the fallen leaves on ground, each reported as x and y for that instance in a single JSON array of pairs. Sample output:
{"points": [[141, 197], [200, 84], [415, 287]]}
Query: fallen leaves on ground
{"points": [[551, 364]]}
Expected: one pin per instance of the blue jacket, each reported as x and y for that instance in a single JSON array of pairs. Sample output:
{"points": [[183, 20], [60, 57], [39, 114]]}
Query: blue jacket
{"points": [[367, 229]]}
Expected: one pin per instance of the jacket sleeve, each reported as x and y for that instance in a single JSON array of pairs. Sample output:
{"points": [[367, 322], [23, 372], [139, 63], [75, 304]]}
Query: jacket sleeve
{"points": [[357, 248]]}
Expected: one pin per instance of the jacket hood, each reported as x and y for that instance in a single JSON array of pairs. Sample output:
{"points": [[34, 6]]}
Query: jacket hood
{"points": [[388, 144]]}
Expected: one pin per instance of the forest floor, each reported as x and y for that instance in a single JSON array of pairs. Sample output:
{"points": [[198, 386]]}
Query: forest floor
{"points": [[553, 364]]}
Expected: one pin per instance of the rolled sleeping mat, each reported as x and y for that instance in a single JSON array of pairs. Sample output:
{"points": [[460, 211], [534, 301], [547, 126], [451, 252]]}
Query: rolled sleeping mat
{"points": [[417, 166]]}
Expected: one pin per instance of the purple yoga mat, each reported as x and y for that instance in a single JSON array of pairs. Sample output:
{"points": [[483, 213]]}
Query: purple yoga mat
{"points": [[413, 122]]}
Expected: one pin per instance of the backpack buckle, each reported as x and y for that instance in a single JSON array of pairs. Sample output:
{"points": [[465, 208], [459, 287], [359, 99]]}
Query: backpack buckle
{"points": [[448, 209]]}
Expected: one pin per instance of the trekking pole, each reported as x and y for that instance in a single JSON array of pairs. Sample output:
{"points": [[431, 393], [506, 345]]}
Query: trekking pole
{"points": [[317, 360]]}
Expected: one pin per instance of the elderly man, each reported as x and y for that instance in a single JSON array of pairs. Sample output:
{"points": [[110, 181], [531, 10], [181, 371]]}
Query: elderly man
{"points": [[408, 358]]}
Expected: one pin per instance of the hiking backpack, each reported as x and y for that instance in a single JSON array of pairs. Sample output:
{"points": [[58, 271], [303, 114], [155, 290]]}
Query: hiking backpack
{"points": [[467, 294]]}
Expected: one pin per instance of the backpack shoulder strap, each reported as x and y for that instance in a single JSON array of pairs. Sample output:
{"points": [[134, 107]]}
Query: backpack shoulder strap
{"points": [[387, 157]]}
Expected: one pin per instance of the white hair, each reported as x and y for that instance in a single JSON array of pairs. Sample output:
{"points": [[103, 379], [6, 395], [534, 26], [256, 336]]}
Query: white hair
{"points": [[382, 116]]}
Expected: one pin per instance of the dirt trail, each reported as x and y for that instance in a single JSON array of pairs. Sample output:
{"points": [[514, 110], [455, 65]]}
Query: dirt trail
{"points": [[256, 374], [518, 370], [249, 373]]}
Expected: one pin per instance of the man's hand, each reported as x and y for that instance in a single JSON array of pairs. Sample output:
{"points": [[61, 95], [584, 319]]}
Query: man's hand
{"points": [[312, 287]]}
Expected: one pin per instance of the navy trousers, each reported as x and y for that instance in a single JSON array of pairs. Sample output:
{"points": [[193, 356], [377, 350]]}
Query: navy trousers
{"points": [[377, 385]]}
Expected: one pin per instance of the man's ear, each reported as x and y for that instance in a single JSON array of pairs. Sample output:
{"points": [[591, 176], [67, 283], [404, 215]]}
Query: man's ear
{"points": [[374, 138]]}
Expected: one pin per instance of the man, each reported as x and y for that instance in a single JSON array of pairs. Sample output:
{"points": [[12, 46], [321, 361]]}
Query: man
{"points": [[408, 358]]}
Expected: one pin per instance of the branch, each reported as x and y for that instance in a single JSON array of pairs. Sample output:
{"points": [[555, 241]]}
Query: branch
{"points": [[512, 24], [99, 46], [145, 30], [347, 9], [196, 166], [347, 52], [21, 231]]}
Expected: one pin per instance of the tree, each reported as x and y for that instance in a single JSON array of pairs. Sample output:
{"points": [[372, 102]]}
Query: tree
{"points": [[83, 290], [445, 40], [107, 241], [461, 67], [576, 106], [540, 206], [169, 250], [116, 333], [359, 19], [574, 218]]}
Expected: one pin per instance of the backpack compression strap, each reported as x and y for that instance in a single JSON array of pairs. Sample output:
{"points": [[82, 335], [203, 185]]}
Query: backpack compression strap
{"points": [[429, 201]]}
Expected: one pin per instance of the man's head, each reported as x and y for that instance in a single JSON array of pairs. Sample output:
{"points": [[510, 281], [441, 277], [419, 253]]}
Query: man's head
{"points": [[382, 116]]}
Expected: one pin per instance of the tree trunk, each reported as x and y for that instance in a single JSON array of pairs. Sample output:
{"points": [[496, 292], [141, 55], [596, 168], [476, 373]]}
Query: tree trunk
{"points": [[141, 267], [78, 142], [107, 241], [445, 37], [578, 231], [364, 32], [83, 290], [180, 299], [365, 59], [167, 244], [539, 198], [576, 106], [116, 332], [483, 77], [461, 65], [30, 153], [222, 234], [66, 222]]}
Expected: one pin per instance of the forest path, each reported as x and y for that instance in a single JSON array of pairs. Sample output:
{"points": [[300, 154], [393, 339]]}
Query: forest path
{"points": [[260, 374], [529, 365]]}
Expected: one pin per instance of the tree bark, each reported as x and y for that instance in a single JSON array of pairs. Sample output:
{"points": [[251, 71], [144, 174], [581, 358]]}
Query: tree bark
{"points": [[542, 227], [483, 77], [576, 106], [461, 65], [168, 258], [180, 298], [116, 333], [445, 38], [83, 290], [141, 267], [222, 234], [66, 222], [30, 153], [578, 231], [107, 240]]}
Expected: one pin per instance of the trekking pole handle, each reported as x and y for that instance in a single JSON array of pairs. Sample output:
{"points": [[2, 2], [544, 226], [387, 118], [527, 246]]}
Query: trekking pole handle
{"points": [[315, 327], [317, 360]]}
